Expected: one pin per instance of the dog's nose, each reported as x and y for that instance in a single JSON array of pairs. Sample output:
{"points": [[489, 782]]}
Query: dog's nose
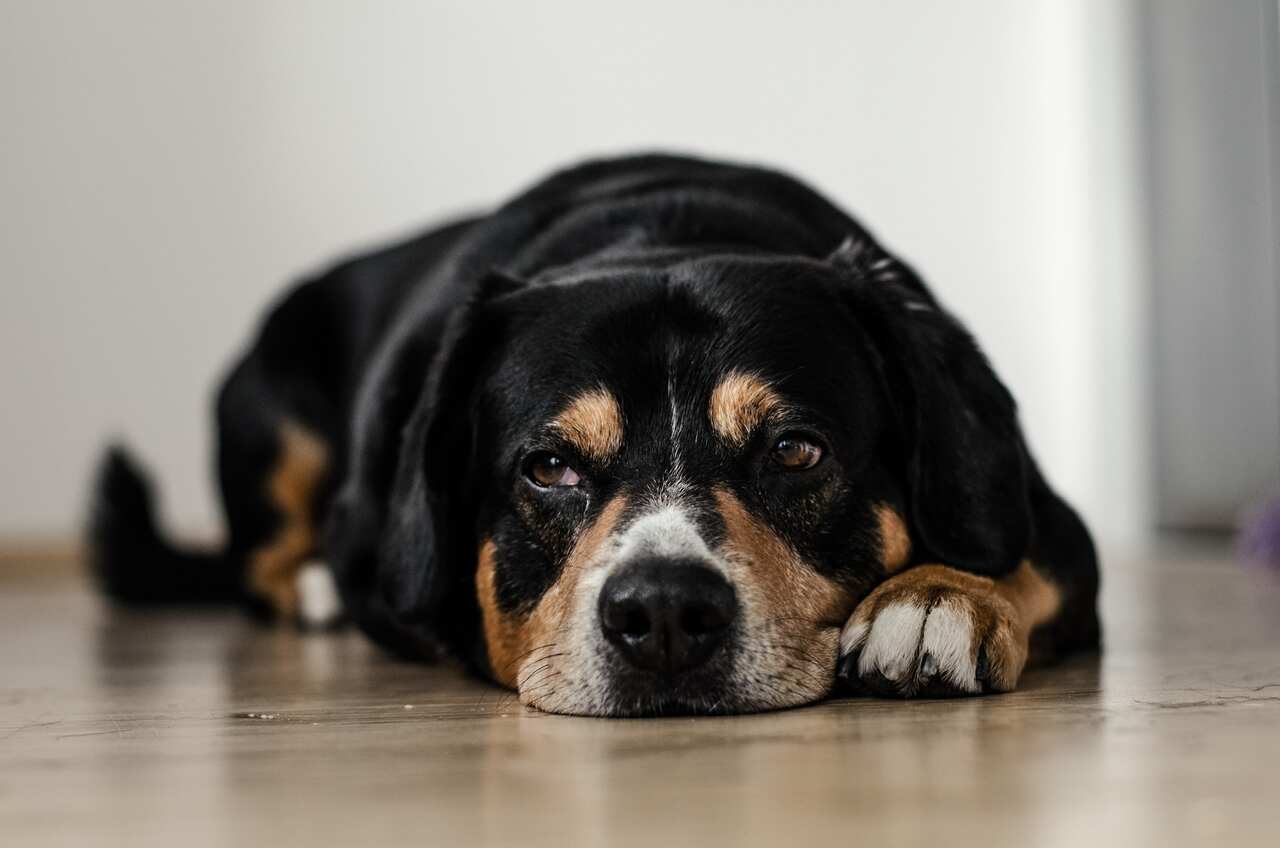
{"points": [[666, 616]]}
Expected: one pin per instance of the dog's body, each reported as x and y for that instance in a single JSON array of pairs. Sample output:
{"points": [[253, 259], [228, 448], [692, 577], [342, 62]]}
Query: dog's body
{"points": [[658, 435]]}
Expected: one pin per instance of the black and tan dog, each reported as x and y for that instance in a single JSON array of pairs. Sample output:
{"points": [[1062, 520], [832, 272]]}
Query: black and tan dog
{"points": [[659, 435]]}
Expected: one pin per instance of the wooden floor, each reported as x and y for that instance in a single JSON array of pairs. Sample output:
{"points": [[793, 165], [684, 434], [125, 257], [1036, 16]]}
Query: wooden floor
{"points": [[203, 729]]}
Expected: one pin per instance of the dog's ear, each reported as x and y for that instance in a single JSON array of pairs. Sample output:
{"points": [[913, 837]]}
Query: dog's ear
{"points": [[966, 462], [398, 529]]}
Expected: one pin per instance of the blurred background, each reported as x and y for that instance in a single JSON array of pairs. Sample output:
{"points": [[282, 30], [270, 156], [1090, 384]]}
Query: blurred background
{"points": [[1090, 184]]}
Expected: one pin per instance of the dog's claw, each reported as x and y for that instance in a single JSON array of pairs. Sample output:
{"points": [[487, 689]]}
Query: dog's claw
{"points": [[928, 666], [847, 670], [983, 667]]}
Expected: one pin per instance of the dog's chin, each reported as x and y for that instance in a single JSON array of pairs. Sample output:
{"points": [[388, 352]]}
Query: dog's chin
{"points": [[709, 692]]}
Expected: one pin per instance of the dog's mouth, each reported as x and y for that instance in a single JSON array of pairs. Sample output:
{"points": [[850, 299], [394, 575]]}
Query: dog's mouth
{"points": [[694, 695], [776, 670], [688, 695], [706, 688]]}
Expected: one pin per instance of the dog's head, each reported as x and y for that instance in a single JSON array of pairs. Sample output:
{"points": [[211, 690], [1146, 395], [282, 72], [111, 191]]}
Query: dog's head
{"points": [[632, 489]]}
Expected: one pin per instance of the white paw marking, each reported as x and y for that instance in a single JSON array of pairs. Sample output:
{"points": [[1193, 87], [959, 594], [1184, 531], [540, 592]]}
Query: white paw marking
{"points": [[948, 638], [897, 639], [851, 638], [318, 601], [892, 643]]}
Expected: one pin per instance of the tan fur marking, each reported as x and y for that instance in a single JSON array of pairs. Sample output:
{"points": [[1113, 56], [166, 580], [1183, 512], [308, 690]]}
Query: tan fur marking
{"points": [[1035, 597], [300, 469], [512, 639], [1004, 610], [895, 543], [593, 423], [739, 404], [794, 593], [502, 632]]}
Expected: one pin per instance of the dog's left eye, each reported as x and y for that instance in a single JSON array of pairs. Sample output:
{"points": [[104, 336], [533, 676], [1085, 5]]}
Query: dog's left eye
{"points": [[549, 471], [795, 453]]}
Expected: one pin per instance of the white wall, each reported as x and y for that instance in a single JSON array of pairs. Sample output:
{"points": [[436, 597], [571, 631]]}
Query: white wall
{"points": [[167, 166]]}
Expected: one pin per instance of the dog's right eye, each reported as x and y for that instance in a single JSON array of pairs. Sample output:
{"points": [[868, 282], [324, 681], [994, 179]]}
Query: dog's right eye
{"points": [[548, 471], [795, 452]]}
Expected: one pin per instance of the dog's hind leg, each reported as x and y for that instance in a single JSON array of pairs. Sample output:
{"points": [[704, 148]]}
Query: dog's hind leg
{"points": [[275, 473], [292, 488]]}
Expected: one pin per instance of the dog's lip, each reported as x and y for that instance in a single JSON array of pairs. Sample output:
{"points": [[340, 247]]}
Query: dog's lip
{"points": [[676, 708], [698, 692], [721, 703], [708, 681]]}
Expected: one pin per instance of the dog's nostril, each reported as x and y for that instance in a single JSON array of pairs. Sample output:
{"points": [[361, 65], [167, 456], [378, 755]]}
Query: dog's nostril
{"points": [[699, 619], [628, 618], [666, 616]]}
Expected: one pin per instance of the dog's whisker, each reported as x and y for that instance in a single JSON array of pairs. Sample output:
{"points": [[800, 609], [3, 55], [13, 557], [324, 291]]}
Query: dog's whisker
{"points": [[511, 663]]}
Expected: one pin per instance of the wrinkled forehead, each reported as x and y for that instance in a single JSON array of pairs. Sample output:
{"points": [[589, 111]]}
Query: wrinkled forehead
{"points": [[649, 363]]}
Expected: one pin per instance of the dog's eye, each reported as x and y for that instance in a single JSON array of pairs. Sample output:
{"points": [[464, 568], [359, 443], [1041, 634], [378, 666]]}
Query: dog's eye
{"points": [[795, 453], [550, 471]]}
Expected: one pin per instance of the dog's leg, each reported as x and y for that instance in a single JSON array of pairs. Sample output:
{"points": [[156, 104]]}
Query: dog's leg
{"points": [[296, 479], [935, 630]]}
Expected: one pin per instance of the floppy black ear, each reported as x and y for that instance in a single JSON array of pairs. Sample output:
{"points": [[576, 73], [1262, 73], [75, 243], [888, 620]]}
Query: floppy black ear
{"points": [[966, 459], [397, 531]]}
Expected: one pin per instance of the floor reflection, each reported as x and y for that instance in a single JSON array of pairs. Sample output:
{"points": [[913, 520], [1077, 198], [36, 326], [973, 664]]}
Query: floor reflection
{"points": [[206, 723]]}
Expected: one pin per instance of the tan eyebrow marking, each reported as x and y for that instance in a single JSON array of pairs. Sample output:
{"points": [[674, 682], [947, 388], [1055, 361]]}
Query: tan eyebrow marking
{"points": [[592, 422], [739, 404]]}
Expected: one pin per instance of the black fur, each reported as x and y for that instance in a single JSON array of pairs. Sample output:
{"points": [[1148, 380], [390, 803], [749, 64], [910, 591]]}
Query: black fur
{"points": [[429, 366], [131, 558], [967, 469]]}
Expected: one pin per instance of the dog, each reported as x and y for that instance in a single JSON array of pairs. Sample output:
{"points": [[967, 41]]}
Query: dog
{"points": [[658, 436]]}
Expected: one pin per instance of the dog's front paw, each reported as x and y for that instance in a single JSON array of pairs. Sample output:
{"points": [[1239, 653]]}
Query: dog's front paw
{"points": [[933, 631]]}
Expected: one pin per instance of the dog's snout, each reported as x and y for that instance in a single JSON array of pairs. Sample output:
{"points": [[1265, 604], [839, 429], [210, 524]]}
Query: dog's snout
{"points": [[666, 616]]}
